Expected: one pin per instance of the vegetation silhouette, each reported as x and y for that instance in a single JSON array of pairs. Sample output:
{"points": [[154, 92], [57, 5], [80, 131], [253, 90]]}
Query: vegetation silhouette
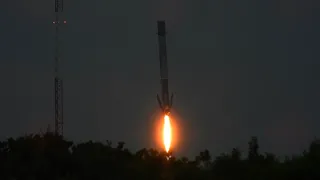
{"points": [[51, 157]]}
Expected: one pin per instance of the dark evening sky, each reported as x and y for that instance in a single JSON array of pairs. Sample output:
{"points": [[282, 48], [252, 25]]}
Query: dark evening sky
{"points": [[238, 68]]}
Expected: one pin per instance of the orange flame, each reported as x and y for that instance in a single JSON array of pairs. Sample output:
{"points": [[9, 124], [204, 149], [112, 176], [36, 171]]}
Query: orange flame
{"points": [[167, 133]]}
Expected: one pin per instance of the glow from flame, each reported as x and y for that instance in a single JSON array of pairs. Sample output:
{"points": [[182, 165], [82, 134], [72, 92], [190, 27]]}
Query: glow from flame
{"points": [[167, 133]]}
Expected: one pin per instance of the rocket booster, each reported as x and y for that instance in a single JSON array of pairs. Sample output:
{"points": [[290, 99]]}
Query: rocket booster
{"points": [[164, 101], [58, 5]]}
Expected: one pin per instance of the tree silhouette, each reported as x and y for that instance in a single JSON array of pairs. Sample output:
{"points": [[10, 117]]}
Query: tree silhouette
{"points": [[48, 156], [253, 149]]}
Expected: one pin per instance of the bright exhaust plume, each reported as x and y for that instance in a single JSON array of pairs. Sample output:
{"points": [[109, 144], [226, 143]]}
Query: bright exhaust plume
{"points": [[167, 133]]}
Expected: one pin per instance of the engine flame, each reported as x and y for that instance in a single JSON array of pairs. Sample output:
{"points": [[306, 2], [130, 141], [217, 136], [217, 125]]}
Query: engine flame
{"points": [[167, 134]]}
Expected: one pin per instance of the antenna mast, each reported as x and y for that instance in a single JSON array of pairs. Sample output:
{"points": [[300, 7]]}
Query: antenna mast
{"points": [[58, 86]]}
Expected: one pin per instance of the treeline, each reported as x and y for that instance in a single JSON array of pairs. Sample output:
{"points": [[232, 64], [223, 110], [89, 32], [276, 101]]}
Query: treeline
{"points": [[50, 157]]}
